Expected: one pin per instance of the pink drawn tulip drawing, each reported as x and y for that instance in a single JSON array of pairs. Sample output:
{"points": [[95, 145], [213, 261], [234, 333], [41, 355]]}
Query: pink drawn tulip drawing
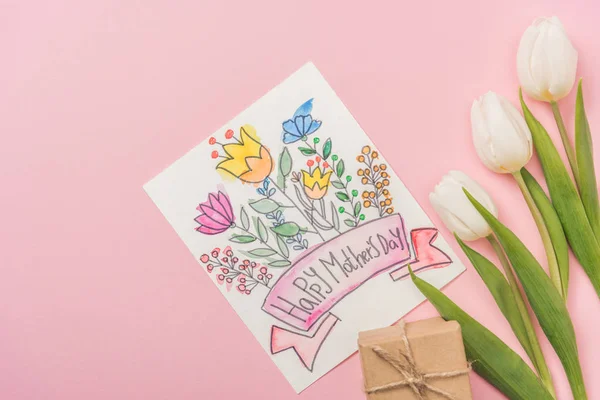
{"points": [[216, 214]]}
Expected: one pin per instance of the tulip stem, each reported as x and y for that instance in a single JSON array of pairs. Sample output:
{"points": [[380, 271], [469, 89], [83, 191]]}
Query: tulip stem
{"points": [[316, 231], [545, 235], [564, 136], [538, 360]]}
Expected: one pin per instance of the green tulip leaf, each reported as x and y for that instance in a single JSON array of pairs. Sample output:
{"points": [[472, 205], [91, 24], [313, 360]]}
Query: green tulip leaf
{"points": [[566, 201], [545, 300], [557, 234], [585, 164], [492, 359], [500, 290]]}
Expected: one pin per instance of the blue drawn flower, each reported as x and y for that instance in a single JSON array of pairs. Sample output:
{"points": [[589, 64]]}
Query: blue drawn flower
{"points": [[301, 124]]}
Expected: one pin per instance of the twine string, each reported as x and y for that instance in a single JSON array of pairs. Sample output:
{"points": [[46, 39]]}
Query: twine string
{"points": [[413, 377]]}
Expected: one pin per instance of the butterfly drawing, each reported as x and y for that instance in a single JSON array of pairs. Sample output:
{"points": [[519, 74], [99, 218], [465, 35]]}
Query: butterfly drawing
{"points": [[301, 124]]}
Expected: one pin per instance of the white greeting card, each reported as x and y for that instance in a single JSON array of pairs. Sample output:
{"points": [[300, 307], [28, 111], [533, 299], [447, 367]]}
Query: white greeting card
{"points": [[298, 218]]}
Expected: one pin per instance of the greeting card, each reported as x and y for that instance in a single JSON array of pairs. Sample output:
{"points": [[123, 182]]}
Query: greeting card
{"points": [[302, 224]]}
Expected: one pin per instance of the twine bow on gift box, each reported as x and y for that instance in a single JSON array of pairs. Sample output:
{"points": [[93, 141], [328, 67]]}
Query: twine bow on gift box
{"points": [[413, 378]]}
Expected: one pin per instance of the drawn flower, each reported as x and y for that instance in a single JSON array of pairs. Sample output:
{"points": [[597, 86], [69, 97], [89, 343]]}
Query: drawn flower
{"points": [[300, 125], [316, 183], [247, 159], [216, 214]]}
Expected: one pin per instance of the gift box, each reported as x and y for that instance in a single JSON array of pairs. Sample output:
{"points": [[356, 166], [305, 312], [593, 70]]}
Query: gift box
{"points": [[415, 361]]}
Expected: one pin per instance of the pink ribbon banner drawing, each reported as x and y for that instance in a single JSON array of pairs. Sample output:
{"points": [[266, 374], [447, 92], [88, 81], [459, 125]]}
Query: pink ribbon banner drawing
{"points": [[327, 273]]}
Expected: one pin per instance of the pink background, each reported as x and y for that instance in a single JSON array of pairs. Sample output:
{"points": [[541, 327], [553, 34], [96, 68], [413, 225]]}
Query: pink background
{"points": [[99, 298]]}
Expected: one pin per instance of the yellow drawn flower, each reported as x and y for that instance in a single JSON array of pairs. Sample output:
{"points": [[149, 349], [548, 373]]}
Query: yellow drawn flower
{"points": [[247, 160], [316, 183]]}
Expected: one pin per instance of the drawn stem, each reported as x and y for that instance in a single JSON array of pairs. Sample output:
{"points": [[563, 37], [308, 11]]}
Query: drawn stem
{"points": [[337, 179], [372, 179], [239, 271], [298, 208]]}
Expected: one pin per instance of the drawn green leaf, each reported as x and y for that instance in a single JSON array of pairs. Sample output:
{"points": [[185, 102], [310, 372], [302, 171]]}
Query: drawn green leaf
{"points": [[327, 149], [307, 151], [342, 196], [338, 185], [339, 169], [283, 247], [264, 206], [263, 233], [242, 239], [280, 264], [335, 217], [357, 208], [245, 220], [287, 229], [262, 252], [285, 162], [350, 222]]}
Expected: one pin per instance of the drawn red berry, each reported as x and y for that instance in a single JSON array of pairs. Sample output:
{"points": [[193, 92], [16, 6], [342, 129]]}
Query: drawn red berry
{"points": [[310, 163], [263, 270], [269, 276], [214, 154], [209, 268], [229, 252], [220, 277], [247, 292], [242, 279], [215, 252], [242, 288], [242, 267], [229, 280], [235, 259], [224, 259], [246, 261], [325, 165], [260, 277], [225, 270], [253, 264], [204, 258], [229, 134], [212, 140], [318, 159]]}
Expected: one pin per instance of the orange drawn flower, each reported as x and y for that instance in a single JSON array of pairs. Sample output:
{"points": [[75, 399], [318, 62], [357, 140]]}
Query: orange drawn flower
{"points": [[248, 160], [316, 183]]}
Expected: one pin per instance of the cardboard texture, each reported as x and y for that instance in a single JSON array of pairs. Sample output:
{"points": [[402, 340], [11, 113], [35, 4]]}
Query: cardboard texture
{"points": [[436, 346]]}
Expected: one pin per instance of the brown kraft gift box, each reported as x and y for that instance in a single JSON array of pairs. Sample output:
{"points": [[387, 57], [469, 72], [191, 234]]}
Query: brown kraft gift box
{"points": [[439, 368]]}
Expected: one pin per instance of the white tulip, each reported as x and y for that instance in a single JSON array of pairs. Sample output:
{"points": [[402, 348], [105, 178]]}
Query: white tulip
{"points": [[500, 134], [546, 60], [455, 209]]}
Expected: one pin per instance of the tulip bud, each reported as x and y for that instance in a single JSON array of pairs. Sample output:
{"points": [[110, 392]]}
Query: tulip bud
{"points": [[456, 211], [546, 60], [500, 134]]}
